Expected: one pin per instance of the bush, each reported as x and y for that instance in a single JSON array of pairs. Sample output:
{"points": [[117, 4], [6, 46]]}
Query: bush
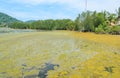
{"points": [[100, 29], [115, 30], [107, 29]]}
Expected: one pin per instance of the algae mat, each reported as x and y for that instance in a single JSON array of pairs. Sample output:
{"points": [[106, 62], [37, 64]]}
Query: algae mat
{"points": [[78, 55]]}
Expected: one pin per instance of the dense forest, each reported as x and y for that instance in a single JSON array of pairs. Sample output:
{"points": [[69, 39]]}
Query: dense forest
{"points": [[99, 22]]}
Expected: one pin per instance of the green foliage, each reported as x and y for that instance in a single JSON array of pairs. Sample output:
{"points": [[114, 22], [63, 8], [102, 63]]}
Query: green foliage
{"points": [[100, 29], [43, 24], [99, 22], [88, 21], [49, 24], [108, 29], [70, 25], [19, 25], [78, 26], [115, 30]]}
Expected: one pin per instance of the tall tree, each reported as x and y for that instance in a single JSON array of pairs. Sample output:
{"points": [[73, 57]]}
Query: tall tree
{"points": [[78, 27]]}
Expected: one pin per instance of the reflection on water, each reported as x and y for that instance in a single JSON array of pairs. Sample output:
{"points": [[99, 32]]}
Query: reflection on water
{"points": [[43, 71]]}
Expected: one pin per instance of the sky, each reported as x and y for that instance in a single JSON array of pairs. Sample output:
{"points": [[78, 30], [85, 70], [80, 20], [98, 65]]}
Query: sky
{"points": [[54, 9]]}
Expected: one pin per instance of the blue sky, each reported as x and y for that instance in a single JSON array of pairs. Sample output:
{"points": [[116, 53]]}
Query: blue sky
{"points": [[53, 9]]}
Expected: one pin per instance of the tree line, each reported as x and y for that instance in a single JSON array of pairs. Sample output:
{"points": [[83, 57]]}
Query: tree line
{"points": [[99, 22], [49, 24]]}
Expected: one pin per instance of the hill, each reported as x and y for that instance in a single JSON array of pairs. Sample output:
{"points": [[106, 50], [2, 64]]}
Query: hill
{"points": [[6, 19], [30, 21]]}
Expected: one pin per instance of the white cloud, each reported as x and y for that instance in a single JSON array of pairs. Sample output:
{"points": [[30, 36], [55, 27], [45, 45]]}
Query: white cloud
{"points": [[35, 16], [98, 5], [71, 6], [37, 2], [34, 2], [109, 5]]}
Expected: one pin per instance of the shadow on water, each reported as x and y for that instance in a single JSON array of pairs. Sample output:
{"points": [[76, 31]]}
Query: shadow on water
{"points": [[43, 71]]}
